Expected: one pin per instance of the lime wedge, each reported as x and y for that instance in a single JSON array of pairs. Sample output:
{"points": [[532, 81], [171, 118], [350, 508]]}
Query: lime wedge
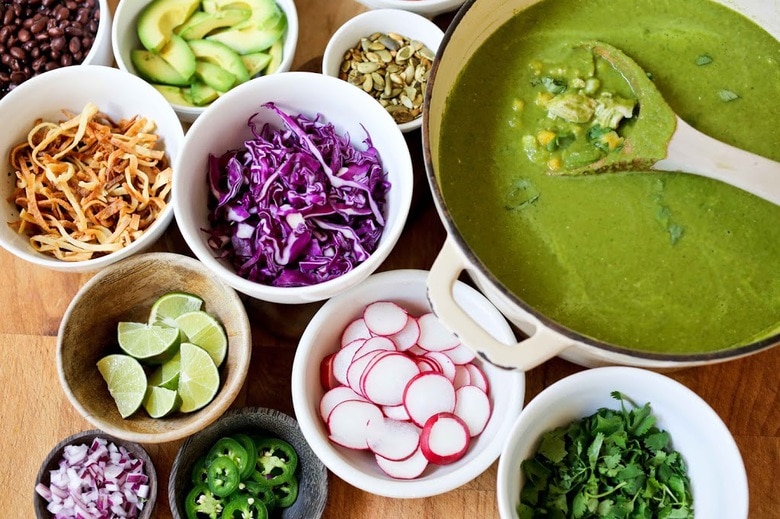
{"points": [[204, 330], [161, 401], [198, 378], [167, 374], [171, 305], [153, 344], [126, 381]]}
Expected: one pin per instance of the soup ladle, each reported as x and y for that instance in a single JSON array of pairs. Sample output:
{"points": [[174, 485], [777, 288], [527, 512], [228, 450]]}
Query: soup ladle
{"points": [[662, 141]]}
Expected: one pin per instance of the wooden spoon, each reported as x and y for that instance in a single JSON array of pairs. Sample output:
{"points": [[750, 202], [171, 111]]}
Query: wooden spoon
{"points": [[681, 147]]}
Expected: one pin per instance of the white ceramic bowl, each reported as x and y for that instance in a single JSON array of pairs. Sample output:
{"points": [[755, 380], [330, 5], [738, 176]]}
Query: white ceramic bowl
{"points": [[715, 467], [405, 23], [359, 468], [124, 38], [224, 127], [427, 8], [101, 52], [116, 93]]}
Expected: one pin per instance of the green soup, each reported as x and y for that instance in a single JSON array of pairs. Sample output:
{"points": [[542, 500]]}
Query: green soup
{"points": [[661, 262]]}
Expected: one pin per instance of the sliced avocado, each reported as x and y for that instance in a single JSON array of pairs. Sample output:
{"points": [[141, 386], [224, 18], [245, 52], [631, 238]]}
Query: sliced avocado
{"points": [[261, 9], [179, 55], [245, 38], [175, 95], [222, 55], [201, 93], [214, 76], [255, 62], [202, 23], [158, 20], [155, 69], [276, 53]]}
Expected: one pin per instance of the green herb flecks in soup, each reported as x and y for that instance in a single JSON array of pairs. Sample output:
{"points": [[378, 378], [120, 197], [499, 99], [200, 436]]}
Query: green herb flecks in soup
{"points": [[665, 262]]}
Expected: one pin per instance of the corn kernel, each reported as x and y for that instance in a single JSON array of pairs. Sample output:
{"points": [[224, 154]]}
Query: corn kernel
{"points": [[554, 164], [545, 137], [542, 98], [518, 105]]}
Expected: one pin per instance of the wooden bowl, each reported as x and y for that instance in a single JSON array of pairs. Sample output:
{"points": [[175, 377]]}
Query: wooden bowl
{"points": [[85, 437], [126, 291], [312, 475]]}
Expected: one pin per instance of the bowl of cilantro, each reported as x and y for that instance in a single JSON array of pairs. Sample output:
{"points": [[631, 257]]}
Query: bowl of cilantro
{"points": [[620, 442]]}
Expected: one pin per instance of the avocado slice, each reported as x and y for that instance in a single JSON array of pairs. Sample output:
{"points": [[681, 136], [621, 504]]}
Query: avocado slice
{"points": [[155, 69], [158, 20], [255, 62], [261, 9], [214, 76], [201, 93], [179, 56], [245, 38], [202, 23], [175, 95], [221, 55], [276, 53]]}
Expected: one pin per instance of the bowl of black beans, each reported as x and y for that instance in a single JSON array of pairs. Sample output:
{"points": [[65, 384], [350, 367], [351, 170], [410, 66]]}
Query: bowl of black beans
{"points": [[37, 36]]}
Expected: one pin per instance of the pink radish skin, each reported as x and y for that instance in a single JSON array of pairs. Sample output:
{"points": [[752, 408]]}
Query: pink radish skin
{"points": [[416, 350], [427, 394], [393, 439], [384, 318], [447, 366], [407, 337], [434, 336], [334, 397], [462, 377], [396, 412], [357, 329], [385, 379], [460, 354], [344, 358], [377, 343], [348, 423], [427, 365], [357, 368], [478, 377], [410, 468], [472, 405], [444, 439]]}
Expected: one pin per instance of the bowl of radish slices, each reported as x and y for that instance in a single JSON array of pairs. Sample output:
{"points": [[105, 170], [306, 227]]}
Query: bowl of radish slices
{"points": [[390, 400]]}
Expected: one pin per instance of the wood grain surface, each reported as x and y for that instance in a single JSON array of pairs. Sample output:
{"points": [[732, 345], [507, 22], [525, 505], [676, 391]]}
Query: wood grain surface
{"points": [[36, 415]]}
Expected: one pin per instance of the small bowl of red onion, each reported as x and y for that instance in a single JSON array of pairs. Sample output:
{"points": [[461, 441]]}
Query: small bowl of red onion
{"points": [[293, 187], [93, 474]]}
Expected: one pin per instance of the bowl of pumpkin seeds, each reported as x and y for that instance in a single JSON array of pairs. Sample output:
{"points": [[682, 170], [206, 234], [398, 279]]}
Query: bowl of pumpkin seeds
{"points": [[389, 54]]}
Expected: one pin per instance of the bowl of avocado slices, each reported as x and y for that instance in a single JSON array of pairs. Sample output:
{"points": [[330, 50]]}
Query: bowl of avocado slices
{"points": [[193, 51]]}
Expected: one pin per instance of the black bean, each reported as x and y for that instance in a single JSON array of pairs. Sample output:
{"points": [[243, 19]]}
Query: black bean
{"points": [[39, 25], [74, 45], [55, 31], [24, 35], [17, 77], [58, 43]]}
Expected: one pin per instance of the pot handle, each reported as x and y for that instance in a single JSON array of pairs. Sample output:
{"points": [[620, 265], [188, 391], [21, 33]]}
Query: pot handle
{"points": [[524, 355]]}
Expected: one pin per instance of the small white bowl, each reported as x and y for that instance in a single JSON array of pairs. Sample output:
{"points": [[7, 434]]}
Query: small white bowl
{"points": [[358, 468], [427, 8], [224, 127], [124, 38], [405, 23], [715, 467], [101, 52], [118, 95]]}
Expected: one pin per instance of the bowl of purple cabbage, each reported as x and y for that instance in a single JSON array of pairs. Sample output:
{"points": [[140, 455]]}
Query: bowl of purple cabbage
{"points": [[293, 187]]}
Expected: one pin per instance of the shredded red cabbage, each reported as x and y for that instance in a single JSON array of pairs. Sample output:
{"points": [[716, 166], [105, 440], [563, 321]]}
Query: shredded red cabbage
{"points": [[296, 206]]}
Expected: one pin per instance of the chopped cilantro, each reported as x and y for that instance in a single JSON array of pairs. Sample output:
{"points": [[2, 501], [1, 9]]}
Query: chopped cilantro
{"points": [[614, 463], [703, 60], [727, 95]]}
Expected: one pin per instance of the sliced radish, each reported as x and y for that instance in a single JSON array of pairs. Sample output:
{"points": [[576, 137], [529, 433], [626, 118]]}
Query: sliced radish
{"points": [[358, 367], [427, 394], [410, 468], [434, 336], [427, 365], [462, 377], [334, 397], [348, 423], [357, 329], [393, 439], [444, 439], [460, 354], [343, 359], [377, 343], [416, 350], [472, 405], [385, 380], [478, 377], [407, 337], [327, 379], [446, 364], [396, 412], [384, 318]]}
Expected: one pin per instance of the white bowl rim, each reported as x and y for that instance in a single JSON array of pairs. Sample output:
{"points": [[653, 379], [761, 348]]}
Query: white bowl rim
{"points": [[665, 387], [387, 487]]}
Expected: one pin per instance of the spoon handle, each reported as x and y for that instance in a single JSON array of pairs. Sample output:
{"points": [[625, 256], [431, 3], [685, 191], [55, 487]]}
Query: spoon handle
{"points": [[692, 151]]}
